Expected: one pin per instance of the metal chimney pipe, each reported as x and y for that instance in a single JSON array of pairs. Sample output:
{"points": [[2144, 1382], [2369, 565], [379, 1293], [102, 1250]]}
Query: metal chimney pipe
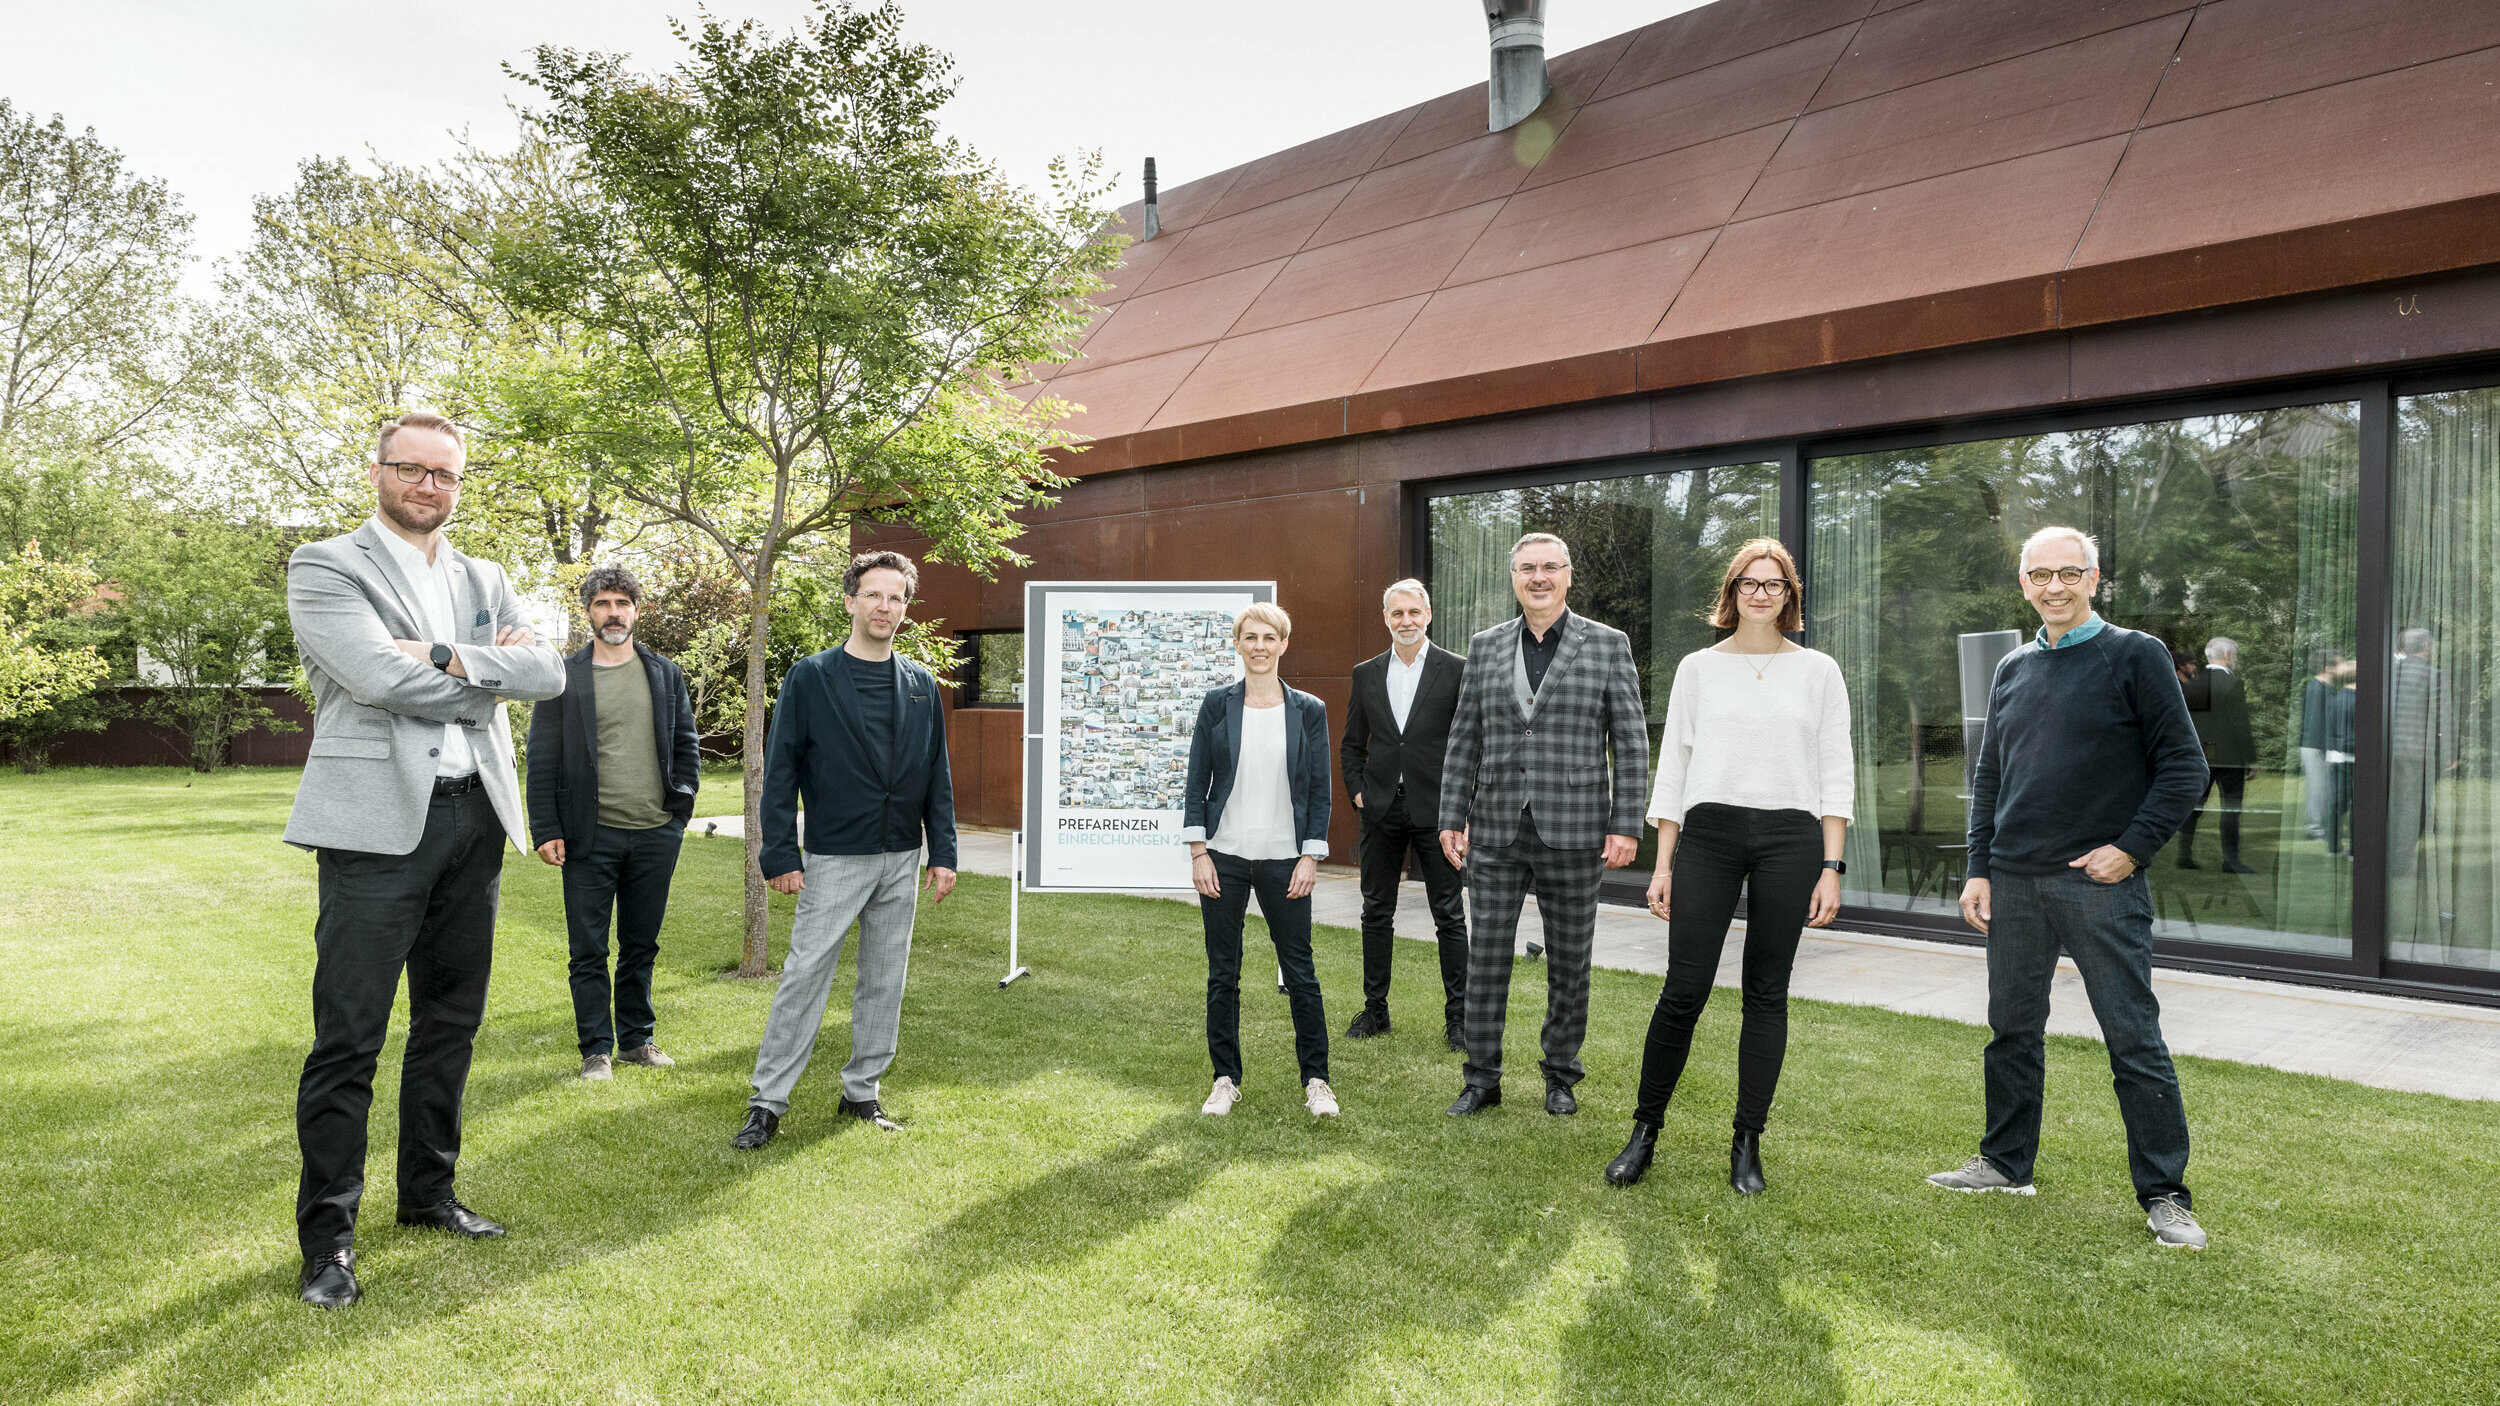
{"points": [[1518, 85], [1154, 216]]}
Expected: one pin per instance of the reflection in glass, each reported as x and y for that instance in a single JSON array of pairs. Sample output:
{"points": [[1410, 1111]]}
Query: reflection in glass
{"points": [[2232, 528], [2443, 723], [1647, 551]]}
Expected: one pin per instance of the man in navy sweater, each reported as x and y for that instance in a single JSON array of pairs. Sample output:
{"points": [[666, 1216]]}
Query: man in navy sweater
{"points": [[2089, 764], [859, 737]]}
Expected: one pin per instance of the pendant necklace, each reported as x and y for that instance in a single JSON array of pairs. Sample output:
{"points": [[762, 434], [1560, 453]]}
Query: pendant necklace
{"points": [[1759, 669]]}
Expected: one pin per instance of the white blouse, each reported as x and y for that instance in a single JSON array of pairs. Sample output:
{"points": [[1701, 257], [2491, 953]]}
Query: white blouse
{"points": [[1779, 741], [1258, 815]]}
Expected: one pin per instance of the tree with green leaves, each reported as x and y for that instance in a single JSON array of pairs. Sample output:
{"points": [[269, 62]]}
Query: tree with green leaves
{"points": [[45, 663], [808, 305], [205, 604]]}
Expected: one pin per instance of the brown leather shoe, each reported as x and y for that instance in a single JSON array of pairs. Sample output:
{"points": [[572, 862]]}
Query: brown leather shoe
{"points": [[647, 1055]]}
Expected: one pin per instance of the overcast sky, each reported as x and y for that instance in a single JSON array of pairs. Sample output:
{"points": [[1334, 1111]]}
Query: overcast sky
{"points": [[223, 97]]}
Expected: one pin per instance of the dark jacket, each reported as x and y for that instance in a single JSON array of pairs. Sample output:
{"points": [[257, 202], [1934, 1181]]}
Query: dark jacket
{"points": [[855, 803], [1376, 753], [1215, 749], [564, 749], [2218, 704], [1575, 747]]}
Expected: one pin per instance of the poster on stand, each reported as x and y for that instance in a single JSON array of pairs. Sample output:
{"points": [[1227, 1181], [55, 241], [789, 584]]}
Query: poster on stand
{"points": [[1114, 673]]}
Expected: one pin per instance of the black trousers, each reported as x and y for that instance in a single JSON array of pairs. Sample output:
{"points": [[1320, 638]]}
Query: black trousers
{"points": [[2232, 781], [1719, 850], [1388, 838], [431, 912], [627, 872], [1289, 927]]}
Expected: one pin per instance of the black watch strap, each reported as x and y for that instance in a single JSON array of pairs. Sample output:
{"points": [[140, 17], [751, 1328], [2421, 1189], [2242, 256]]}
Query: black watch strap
{"points": [[441, 656], [1837, 866]]}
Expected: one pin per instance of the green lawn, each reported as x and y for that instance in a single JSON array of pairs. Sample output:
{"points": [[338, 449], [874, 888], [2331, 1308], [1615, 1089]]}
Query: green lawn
{"points": [[1059, 1224]]}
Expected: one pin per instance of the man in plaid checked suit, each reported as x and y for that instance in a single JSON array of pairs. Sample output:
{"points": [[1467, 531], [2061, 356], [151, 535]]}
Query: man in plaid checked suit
{"points": [[1526, 807]]}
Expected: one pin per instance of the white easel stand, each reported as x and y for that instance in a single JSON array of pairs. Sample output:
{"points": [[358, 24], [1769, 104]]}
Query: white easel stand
{"points": [[1015, 892]]}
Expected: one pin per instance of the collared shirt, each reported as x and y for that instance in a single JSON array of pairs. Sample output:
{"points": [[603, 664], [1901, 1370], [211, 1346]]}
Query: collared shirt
{"points": [[1537, 653], [2092, 625], [431, 580], [1404, 679]]}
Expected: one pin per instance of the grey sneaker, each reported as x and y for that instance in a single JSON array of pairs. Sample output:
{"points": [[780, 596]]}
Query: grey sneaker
{"points": [[2173, 1225], [598, 1066], [1980, 1174], [648, 1055]]}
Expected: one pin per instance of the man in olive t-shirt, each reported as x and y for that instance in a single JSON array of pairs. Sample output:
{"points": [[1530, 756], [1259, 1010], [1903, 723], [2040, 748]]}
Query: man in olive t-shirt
{"points": [[612, 781]]}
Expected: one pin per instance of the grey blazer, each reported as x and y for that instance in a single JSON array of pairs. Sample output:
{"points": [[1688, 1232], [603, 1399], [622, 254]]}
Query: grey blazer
{"points": [[1511, 749], [378, 714]]}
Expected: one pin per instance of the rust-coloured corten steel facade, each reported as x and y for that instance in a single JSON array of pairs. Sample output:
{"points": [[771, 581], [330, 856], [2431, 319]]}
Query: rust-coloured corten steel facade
{"points": [[1753, 231]]}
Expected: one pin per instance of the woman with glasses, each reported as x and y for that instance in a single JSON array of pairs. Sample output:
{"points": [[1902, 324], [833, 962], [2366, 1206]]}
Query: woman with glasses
{"points": [[1754, 787]]}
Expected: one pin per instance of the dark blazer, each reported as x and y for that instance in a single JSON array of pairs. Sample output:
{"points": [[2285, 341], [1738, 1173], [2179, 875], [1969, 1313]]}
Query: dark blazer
{"points": [[564, 749], [1215, 749], [1554, 749], [2218, 705], [1376, 752], [856, 803]]}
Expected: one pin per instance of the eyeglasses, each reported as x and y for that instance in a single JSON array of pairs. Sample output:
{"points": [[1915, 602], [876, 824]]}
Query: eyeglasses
{"points": [[446, 479], [1548, 568], [2064, 575], [1750, 586]]}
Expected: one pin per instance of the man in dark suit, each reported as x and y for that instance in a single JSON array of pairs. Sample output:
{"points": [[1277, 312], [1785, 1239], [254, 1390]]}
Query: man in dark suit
{"points": [[612, 782], [1396, 732], [859, 737], [2218, 705], [1526, 807]]}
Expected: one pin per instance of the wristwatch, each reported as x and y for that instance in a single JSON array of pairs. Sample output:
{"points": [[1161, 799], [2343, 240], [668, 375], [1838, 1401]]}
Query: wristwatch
{"points": [[1837, 866], [441, 656]]}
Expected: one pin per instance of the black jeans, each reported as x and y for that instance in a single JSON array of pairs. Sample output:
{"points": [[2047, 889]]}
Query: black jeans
{"points": [[433, 912], [1718, 851], [1289, 925], [1388, 838], [2108, 930], [2232, 781], [627, 871]]}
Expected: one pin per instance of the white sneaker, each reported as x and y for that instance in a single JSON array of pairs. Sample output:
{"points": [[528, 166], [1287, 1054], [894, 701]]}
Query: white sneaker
{"points": [[1221, 1098], [1321, 1099]]}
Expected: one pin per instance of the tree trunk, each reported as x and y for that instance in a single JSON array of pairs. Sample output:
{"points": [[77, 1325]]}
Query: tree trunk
{"points": [[755, 958]]}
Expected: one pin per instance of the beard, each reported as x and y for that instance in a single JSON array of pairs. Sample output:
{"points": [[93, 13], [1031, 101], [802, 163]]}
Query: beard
{"points": [[414, 517], [616, 634]]}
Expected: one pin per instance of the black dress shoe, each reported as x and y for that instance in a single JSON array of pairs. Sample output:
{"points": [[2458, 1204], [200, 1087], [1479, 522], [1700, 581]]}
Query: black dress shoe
{"points": [[1474, 1099], [329, 1279], [1632, 1163], [868, 1111], [449, 1214], [2188, 861], [1368, 1024], [758, 1129], [1457, 1036], [1744, 1164], [1559, 1102]]}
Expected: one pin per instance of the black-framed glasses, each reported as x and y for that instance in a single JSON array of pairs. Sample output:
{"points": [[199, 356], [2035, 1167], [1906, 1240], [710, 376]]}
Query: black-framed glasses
{"points": [[1752, 586], [1549, 568], [446, 479], [2063, 575]]}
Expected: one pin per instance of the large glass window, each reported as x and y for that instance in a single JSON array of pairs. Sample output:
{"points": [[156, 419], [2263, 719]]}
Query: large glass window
{"points": [[2230, 537], [2443, 725], [1647, 551]]}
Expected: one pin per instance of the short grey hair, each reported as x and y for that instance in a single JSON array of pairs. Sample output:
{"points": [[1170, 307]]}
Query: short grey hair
{"points": [[2091, 549], [2415, 640], [2221, 647], [1535, 537], [1408, 587]]}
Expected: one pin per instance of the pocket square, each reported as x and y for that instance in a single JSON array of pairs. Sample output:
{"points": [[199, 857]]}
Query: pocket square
{"points": [[484, 616]]}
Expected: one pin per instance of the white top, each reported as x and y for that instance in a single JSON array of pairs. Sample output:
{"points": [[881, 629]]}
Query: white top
{"points": [[1258, 816], [1780, 742], [432, 582], [1404, 679]]}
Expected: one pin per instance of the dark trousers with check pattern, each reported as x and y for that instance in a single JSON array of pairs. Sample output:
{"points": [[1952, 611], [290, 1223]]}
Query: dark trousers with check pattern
{"points": [[1499, 880]]}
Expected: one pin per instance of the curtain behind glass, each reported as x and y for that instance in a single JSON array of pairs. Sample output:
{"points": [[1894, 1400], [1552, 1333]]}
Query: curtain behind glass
{"points": [[1844, 564], [2443, 814]]}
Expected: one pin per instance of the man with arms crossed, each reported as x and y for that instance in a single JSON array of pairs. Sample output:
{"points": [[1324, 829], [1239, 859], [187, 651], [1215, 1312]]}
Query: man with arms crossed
{"points": [[2088, 765], [1396, 732], [613, 771], [1526, 808], [407, 798], [859, 738]]}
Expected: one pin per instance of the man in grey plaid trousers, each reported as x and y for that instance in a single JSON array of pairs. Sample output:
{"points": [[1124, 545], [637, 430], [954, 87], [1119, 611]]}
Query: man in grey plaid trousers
{"points": [[1526, 807], [858, 736]]}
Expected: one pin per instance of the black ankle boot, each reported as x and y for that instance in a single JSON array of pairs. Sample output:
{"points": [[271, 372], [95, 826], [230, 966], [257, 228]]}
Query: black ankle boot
{"points": [[1633, 1162], [1744, 1164]]}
